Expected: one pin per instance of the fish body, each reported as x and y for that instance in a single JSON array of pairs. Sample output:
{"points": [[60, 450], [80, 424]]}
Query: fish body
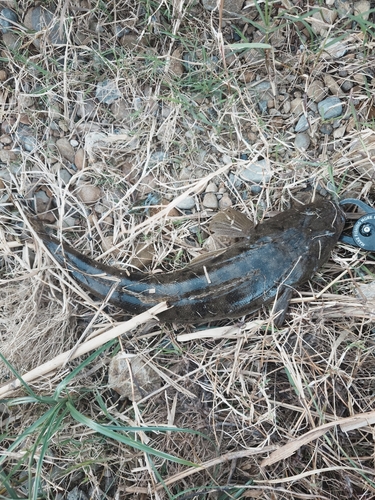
{"points": [[280, 254]]}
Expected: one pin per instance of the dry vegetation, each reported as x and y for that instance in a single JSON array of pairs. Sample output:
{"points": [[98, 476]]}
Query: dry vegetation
{"points": [[237, 409]]}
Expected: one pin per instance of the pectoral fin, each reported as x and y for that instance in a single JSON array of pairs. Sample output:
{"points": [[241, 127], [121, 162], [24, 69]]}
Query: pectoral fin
{"points": [[231, 223], [281, 305]]}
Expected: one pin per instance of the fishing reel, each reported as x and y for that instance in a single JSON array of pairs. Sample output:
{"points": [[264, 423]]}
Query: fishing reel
{"points": [[363, 233]]}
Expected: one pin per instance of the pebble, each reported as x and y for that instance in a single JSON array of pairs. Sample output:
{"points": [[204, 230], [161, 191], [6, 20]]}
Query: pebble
{"points": [[130, 41], [335, 49], [210, 201], [316, 91], [255, 190], [302, 141], [211, 188], [120, 109], [262, 105], [65, 175], [89, 194], [80, 160], [11, 40], [330, 108], [344, 7], [326, 129], [339, 132], [158, 157], [41, 19], [69, 221], [107, 92], [123, 369], [7, 18], [65, 149], [226, 159], [225, 201], [6, 139], [74, 143], [333, 86], [76, 494], [42, 201], [296, 106], [258, 172], [26, 137], [187, 203], [86, 109], [322, 20], [175, 65], [286, 107], [302, 124], [362, 8]]}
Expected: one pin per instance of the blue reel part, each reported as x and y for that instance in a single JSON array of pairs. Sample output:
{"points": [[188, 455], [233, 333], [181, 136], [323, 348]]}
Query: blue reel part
{"points": [[363, 233]]}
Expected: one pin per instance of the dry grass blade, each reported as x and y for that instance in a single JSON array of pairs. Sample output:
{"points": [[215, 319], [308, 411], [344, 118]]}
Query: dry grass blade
{"points": [[346, 424]]}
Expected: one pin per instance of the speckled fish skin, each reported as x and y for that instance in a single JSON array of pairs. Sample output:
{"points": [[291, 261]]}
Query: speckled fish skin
{"points": [[280, 254]]}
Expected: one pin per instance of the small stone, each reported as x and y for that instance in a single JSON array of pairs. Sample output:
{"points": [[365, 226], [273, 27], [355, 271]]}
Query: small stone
{"points": [[121, 110], [302, 141], [6, 156], [336, 49], [175, 65], [130, 41], [131, 377], [7, 19], [339, 132], [65, 149], [286, 107], [89, 194], [255, 190], [74, 143], [158, 157], [344, 7], [316, 91], [302, 124], [187, 203], [322, 20], [226, 159], [259, 172], [211, 188], [210, 201], [225, 201], [332, 85], [107, 92], [330, 108], [69, 221], [65, 175], [80, 160], [362, 8], [26, 137], [296, 106], [11, 40], [6, 139], [347, 85], [262, 105], [42, 201], [326, 129], [76, 494], [41, 20], [142, 256], [86, 109]]}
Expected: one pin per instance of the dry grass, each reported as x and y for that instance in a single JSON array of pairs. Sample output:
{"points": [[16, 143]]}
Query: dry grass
{"points": [[276, 414]]}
